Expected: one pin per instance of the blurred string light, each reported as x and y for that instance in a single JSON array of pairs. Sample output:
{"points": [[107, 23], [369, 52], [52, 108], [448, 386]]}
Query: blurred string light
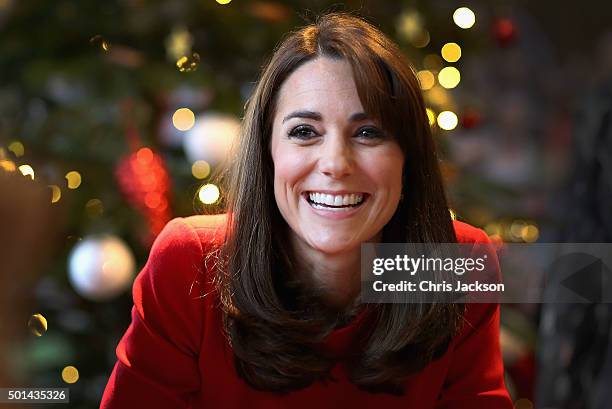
{"points": [[208, 194], [224, 1], [183, 119], [26, 170], [451, 52], [188, 63], [70, 374], [37, 324], [73, 179], [100, 43], [426, 79], [464, 17], [17, 148], [200, 169], [449, 77], [431, 115], [56, 193], [447, 120]]}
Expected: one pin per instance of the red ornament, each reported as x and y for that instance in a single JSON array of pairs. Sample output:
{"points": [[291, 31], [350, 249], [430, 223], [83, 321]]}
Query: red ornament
{"points": [[470, 119], [144, 180], [504, 31]]}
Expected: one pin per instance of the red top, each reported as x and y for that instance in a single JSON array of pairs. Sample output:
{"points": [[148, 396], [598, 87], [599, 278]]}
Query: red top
{"points": [[175, 355]]}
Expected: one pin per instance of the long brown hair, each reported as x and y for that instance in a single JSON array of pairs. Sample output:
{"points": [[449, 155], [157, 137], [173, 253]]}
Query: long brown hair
{"points": [[274, 322]]}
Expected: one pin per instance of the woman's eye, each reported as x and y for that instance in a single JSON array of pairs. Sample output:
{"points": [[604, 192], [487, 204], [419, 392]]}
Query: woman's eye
{"points": [[369, 133], [302, 132]]}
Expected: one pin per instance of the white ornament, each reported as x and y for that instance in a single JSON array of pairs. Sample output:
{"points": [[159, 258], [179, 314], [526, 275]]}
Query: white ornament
{"points": [[211, 137], [101, 267]]}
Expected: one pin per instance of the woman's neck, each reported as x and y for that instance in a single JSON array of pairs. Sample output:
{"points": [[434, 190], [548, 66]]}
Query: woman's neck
{"points": [[337, 277]]}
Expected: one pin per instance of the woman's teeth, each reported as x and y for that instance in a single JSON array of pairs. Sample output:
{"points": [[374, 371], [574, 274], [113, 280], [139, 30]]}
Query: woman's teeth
{"points": [[335, 202]]}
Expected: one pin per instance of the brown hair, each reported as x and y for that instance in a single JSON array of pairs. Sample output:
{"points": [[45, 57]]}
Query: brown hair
{"points": [[274, 322]]}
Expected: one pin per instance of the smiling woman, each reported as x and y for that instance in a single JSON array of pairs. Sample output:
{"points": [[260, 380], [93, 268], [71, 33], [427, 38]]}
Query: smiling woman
{"points": [[261, 307]]}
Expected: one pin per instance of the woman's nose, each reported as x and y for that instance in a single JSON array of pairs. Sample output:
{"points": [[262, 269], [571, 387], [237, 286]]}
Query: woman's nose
{"points": [[336, 158]]}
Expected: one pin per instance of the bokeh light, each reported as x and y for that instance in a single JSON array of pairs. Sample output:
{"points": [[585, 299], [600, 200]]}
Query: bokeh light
{"points": [[188, 63], [200, 169], [17, 148], [422, 39], [56, 193], [530, 233], [447, 120], [223, 1], [70, 374], [8, 166], [100, 43], [37, 324], [464, 17], [73, 179], [94, 208], [26, 170], [426, 79], [451, 52], [183, 119], [431, 116], [449, 77], [208, 194]]}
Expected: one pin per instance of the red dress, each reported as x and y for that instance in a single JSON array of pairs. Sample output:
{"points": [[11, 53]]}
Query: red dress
{"points": [[175, 355]]}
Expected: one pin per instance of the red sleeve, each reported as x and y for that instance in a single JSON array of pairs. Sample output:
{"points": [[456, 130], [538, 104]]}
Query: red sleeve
{"points": [[157, 357], [475, 378]]}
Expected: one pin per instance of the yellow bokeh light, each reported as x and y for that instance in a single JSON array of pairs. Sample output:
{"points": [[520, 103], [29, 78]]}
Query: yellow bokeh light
{"points": [[26, 170], [464, 17], [183, 119], [223, 1], [426, 79], [447, 120], [74, 179], [200, 169], [8, 165], [208, 194], [56, 193], [422, 39], [516, 229], [438, 96], [17, 148], [451, 52], [70, 374], [530, 233], [37, 324], [449, 77], [431, 115]]}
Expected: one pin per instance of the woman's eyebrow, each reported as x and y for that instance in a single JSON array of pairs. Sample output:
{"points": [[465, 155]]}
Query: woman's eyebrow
{"points": [[359, 116]]}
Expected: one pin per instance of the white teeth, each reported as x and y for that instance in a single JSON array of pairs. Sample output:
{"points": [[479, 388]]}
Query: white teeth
{"points": [[336, 200]]}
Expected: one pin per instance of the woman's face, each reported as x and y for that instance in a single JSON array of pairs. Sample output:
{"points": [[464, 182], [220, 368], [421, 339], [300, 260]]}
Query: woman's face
{"points": [[337, 175]]}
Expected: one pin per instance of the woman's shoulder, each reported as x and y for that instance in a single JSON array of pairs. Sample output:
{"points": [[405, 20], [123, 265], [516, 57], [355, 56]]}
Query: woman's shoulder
{"points": [[200, 231], [466, 233]]}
